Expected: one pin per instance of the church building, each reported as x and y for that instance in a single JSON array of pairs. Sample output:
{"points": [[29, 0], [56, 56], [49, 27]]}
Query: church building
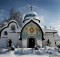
{"points": [[28, 35]]}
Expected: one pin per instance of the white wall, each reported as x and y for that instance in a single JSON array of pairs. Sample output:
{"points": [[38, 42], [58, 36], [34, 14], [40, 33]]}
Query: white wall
{"points": [[13, 36], [39, 42], [24, 43], [50, 37]]}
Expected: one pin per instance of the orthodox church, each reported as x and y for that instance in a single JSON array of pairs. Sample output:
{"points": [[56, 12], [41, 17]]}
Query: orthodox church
{"points": [[28, 34]]}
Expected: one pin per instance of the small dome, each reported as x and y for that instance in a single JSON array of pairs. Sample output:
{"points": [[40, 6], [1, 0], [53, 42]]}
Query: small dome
{"points": [[30, 14]]}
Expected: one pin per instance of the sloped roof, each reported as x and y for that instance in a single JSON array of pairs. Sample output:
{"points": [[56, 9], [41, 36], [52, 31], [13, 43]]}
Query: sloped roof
{"points": [[45, 30]]}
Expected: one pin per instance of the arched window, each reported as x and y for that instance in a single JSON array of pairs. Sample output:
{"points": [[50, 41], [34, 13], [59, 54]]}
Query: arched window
{"points": [[5, 33], [13, 27]]}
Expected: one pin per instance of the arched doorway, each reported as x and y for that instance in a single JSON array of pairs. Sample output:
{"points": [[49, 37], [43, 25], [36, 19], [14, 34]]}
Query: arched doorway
{"points": [[31, 32], [31, 42]]}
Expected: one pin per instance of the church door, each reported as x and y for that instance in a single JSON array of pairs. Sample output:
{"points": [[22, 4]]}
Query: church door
{"points": [[31, 43]]}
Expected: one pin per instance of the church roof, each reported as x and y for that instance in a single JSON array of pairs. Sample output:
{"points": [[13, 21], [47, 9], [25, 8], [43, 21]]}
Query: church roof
{"points": [[45, 30]]}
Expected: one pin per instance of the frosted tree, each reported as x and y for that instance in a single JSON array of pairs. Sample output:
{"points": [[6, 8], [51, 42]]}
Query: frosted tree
{"points": [[16, 15]]}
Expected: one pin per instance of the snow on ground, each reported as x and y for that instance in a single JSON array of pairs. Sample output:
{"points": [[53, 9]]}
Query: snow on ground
{"points": [[11, 54], [41, 51], [29, 52], [23, 56]]}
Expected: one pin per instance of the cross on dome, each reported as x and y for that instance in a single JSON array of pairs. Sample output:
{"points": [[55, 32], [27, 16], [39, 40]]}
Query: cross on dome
{"points": [[31, 15]]}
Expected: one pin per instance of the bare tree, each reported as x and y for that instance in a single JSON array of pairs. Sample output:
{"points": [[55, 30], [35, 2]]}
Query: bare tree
{"points": [[16, 15]]}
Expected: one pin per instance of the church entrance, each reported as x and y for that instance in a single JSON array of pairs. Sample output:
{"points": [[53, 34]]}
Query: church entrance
{"points": [[31, 43], [31, 34]]}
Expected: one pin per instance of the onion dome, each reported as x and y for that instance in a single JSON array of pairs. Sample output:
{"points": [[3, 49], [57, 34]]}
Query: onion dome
{"points": [[31, 15]]}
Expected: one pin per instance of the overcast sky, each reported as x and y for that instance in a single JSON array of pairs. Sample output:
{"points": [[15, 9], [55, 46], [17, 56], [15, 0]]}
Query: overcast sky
{"points": [[48, 10]]}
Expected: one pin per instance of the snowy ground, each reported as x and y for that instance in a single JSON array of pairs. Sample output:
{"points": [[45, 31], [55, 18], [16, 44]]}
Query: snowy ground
{"points": [[12, 54], [29, 52]]}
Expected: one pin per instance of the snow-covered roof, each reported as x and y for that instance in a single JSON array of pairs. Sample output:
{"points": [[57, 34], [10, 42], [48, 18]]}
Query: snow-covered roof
{"points": [[31, 15], [45, 30]]}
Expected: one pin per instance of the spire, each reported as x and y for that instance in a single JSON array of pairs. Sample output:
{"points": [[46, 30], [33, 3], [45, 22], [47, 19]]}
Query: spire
{"points": [[31, 8]]}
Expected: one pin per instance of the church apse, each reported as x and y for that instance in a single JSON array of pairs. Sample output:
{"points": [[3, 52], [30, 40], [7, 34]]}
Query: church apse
{"points": [[31, 32]]}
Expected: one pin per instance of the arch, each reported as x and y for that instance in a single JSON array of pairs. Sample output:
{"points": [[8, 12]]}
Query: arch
{"points": [[8, 26], [26, 25]]}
